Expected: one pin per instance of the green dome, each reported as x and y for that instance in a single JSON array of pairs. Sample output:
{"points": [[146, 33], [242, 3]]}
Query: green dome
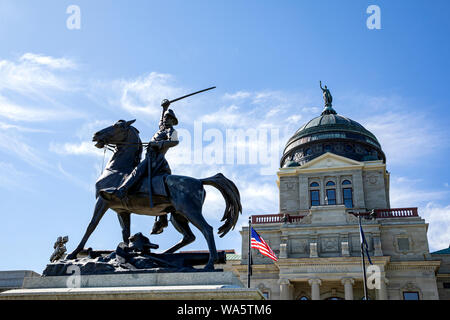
{"points": [[331, 132]]}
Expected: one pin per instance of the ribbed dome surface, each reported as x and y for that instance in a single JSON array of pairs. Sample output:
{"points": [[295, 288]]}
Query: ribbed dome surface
{"points": [[331, 132]]}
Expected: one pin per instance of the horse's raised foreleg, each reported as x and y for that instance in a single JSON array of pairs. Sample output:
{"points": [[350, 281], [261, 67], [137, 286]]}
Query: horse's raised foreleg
{"points": [[99, 211], [124, 220], [182, 226]]}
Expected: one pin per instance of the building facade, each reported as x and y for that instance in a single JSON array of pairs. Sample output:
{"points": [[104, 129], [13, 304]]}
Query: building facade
{"points": [[332, 171]]}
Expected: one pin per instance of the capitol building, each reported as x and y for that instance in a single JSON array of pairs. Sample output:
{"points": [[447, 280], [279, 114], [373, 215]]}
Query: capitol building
{"points": [[333, 174], [332, 171]]}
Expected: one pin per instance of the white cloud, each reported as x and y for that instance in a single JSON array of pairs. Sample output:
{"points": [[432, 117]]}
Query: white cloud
{"points": [[7, 126], [143, 95], [31, 78], [11, 178], [16, 112], [237, 95], [30, 88], [438, 218], [75, 180], [404, 193], [404, 136], [226, 116], [48, 61], [16, 145], [82, 148]]}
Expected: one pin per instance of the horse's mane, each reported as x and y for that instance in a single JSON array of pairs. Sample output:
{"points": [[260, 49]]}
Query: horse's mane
{"points": [[137, 158]]}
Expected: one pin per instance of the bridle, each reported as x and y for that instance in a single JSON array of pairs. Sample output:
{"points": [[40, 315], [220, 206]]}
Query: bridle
{"points": [[112, 145]]}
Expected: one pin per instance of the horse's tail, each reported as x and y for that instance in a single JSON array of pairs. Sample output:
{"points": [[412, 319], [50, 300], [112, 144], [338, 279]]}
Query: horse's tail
{"points": [[232, 200]]}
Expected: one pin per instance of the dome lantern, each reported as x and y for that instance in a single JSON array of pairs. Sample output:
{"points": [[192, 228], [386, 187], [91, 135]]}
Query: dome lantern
{"points": [[331, 132]]}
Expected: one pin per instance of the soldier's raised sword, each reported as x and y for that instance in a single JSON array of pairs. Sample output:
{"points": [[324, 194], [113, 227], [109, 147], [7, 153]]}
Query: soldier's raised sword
{"points": [[165, 103]]}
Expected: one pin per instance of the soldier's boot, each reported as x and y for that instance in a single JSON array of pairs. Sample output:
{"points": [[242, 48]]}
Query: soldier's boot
{"points": [[113, 194]]}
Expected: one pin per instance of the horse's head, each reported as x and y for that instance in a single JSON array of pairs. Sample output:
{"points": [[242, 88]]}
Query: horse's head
{"points": [[115, 134]]}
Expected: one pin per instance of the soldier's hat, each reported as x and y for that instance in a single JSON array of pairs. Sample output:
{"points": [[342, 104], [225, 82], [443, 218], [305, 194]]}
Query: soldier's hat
{"points": [[170, 113]]}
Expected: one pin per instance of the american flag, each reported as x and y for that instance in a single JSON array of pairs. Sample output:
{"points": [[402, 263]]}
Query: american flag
{"points": [[257, 242]]}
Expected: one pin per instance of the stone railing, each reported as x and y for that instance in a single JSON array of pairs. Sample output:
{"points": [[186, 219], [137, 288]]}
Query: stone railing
{"points": [[275, 218], [396, 213], [379, 214]]}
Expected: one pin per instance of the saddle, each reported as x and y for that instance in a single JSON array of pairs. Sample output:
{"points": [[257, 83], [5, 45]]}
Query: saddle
{"points": [[159, 190]]}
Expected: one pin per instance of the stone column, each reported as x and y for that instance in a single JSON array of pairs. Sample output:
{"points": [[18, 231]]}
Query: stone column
{"points": [[348, 288], [285, 286], [313, 250], [382, 292], [303, 189], [322, 192], [358, 190], [378, 252], [315, 288], [339, 197]]}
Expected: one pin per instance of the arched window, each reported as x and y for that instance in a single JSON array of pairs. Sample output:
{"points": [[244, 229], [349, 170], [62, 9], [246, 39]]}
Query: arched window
{"points": [[314, 194], [303, 298], [346, 182], [331, 193], [348, 197], [331, 196]]}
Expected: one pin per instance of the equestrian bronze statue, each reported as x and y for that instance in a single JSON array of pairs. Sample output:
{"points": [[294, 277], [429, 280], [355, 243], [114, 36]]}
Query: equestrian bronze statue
{"points": [[128, 185]]}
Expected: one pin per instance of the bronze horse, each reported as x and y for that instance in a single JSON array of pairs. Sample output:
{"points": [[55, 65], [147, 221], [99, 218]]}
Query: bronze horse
{"points": [[185, 199]]}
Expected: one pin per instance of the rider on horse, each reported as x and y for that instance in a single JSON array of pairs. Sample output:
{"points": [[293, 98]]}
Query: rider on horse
{"points": [[166, 137]]}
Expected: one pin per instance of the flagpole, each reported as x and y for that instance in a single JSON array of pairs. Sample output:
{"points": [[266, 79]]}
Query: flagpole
{"points": [[363, 260], [249, 259]]}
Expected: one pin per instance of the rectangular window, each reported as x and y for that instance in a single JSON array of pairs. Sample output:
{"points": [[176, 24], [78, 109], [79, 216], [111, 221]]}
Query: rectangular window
{"points": [[403, 244], [410, 295], [331, 196], [315, 201], [348, 197]]}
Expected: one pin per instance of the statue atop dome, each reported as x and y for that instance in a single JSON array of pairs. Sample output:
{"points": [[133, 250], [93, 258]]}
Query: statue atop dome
{"points": [[328, 100], [326, 95]]}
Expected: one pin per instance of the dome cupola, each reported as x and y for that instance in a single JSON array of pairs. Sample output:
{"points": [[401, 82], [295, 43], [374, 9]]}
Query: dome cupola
{"points": [[331, 132]]}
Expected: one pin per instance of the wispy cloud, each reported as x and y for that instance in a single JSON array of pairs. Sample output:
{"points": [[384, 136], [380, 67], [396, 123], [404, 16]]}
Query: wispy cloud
{"points": [[31, 88], [29, 77], [51, 62], [12, 178], [84, 148], [74, 179], [8, 126], [438, 218], [143, 95], [404, 193], [12, 111], [404, 136], [16, 145], [409, 192]]}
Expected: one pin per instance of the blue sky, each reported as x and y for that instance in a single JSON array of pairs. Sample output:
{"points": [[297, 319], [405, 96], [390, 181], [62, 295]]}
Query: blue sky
{"points": [[59, 86]]}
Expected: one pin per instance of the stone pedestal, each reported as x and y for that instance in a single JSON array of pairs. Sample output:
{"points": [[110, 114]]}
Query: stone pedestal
{"points": [[136, 286]]}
